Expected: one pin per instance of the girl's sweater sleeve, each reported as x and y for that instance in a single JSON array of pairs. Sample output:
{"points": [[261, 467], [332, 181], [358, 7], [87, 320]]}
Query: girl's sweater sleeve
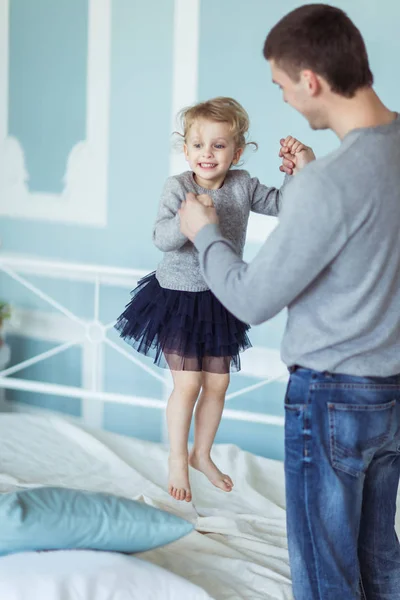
{"points": [[266, 200], [166, 233]]}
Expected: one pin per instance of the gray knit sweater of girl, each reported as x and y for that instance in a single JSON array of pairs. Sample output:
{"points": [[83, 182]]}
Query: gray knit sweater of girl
{"points": [[239, 194]]}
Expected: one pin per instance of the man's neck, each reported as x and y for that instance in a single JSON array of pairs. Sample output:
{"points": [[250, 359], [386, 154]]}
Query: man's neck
{"points": [[364, 110]]}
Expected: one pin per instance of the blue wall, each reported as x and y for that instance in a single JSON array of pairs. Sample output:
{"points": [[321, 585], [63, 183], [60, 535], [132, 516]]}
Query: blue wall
{"points": [[47, 108]]}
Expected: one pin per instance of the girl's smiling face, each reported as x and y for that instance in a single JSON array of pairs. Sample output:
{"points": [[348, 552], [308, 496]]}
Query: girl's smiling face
{"points": [[210, 150]]}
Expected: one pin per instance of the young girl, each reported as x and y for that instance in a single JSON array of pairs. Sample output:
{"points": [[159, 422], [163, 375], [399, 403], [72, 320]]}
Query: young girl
{"points": [[173, 316]]}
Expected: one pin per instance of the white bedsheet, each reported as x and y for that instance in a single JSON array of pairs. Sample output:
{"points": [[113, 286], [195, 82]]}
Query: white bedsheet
{"points": [[238, 551]]}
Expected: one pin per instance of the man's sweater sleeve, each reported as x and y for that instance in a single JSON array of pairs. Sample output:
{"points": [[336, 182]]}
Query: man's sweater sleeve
{"points": [[310, 233]]}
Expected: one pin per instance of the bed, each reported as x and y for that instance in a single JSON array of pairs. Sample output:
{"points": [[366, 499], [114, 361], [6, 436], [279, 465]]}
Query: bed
{"points": [[237, 551], [238, 548]]}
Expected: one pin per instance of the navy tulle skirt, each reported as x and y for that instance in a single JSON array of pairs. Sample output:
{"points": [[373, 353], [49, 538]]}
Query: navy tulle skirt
{"points": [[182, 331]]}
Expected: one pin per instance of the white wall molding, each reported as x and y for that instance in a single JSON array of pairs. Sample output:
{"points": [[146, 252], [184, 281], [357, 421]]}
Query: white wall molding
{"points": [[184, 93], [84, 197], [185, 69]]}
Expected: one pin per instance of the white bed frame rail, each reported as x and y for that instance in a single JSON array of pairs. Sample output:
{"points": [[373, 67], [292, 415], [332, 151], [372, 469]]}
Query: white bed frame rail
{"points": [[91, 335]]}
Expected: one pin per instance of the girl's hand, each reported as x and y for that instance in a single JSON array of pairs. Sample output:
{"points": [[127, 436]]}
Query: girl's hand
{"points": [[295, 155], [205, 199]]}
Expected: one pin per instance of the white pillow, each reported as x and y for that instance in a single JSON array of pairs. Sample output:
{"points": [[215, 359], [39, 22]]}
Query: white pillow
{"points": [[89, 575]]}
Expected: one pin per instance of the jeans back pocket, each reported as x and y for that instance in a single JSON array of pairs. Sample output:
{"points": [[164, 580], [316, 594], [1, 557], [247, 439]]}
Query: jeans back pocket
{"points": [[356, 432]]}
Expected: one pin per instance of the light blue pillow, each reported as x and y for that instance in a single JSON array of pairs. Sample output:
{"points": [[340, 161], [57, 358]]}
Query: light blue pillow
{"points": [[51, 518]]}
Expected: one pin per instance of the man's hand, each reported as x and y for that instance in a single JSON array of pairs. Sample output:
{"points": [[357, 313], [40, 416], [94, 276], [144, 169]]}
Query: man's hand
{"points": [[194, 216], [295, 155]]}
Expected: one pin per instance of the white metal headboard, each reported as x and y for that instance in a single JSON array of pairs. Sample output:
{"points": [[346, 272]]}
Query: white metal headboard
{"points": [[92, 335]]}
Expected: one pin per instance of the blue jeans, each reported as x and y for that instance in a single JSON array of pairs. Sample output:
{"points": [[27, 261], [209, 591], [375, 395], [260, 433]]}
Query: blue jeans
{"points": [[342, 469]]}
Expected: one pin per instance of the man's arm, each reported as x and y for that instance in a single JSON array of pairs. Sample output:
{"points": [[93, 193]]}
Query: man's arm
{"points": [[311, 232]]}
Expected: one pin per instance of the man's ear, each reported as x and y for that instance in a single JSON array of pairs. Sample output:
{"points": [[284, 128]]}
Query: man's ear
{"points": [[311, 82]]}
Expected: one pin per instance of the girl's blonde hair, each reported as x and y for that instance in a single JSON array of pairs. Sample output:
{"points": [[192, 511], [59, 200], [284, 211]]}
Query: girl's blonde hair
{"points": [[221, 110]]}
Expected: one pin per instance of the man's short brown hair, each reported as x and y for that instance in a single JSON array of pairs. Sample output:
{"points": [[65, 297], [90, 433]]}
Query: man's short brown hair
{"points": [[323, 39]]}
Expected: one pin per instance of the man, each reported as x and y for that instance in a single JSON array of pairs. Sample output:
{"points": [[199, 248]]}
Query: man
{"points": [[334, 262]]}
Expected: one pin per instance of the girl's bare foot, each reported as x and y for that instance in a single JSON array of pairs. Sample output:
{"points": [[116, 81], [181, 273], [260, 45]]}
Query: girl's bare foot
{"points": [[204, 464], [178, 482]]}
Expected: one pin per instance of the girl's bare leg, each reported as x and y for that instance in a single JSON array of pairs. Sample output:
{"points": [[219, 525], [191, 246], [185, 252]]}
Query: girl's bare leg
{"points": [[179, 415], [207, 419]]}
